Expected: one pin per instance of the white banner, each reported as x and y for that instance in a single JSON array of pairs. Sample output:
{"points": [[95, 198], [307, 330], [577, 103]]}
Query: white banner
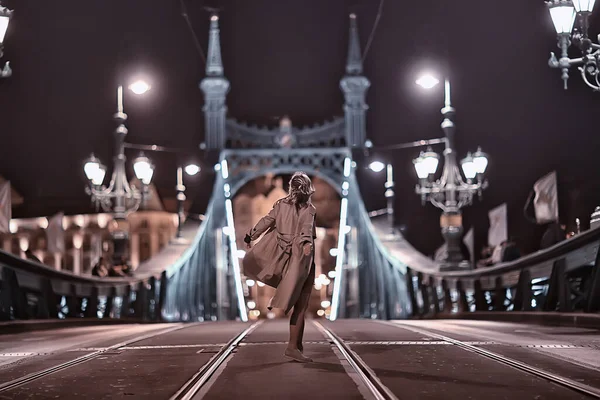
{"points": [[498, 232], [546, 199], [56, 234], [95, 248], [5, 207], [469, 241]]}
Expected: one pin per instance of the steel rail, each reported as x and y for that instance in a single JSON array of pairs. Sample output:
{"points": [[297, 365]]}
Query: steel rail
{"points": [[560, 380], [366, 374], [79, 360], [200, 378]]}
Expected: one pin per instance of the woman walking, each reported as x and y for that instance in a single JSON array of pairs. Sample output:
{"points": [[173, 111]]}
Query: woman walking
{"points": [[284, 258]]}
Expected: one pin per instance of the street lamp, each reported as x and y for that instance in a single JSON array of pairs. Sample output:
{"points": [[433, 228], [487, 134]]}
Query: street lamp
{"points": [[426, 165], [5, 16], [378, 166], [139, 87], [191, 170], [450, 193], [143, 169], [427, 81], [119, 197], [564, 14]]}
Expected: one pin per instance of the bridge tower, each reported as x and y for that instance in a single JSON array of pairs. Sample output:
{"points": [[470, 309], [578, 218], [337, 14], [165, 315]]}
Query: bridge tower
{"points": [[355, 86], [208, 282], [215, 87]]}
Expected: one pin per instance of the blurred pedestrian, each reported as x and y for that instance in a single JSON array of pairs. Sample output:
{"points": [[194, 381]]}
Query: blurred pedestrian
{"points": [[30, 256], [100, 268], [555, 233]]}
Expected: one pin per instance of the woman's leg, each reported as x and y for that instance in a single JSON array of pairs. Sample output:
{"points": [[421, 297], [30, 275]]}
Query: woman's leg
{"points": [[297, 328], [297, 321], [301, 335], [306, 291]]}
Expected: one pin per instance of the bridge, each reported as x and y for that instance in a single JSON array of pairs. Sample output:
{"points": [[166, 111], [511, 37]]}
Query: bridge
{"points": [[398, 327]]}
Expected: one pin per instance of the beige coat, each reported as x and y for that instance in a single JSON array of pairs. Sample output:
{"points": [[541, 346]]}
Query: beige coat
{"points": [[278, 259]]}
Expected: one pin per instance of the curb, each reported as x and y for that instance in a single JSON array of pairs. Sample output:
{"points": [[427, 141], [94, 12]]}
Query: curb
{"points": [[12, 327], [576, 320]]}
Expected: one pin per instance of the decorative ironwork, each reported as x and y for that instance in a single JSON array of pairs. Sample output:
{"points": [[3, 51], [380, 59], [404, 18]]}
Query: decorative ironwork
{"points": [[248, 164], [119, 197], [372, 280], [450, 193], [243, 136], [564, 14]]}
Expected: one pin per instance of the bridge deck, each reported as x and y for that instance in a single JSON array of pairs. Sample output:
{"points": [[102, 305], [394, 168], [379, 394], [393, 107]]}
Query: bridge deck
{"points": [[447, 359]]}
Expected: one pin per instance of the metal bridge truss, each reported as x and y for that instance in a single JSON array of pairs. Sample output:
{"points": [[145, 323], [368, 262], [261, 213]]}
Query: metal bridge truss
{"points": [[206, 284]]}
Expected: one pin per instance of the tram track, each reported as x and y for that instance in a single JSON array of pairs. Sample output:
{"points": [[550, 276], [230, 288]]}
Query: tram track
{"points": [[87, 357], [549, 376], [204, 374], [370, 380], [209, 377]]}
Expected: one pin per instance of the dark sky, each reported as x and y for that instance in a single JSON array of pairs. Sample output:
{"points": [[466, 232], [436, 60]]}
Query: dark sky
{"points": [[287, 57]]}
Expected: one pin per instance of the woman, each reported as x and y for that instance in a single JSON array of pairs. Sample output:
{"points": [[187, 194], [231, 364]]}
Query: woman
{"points": [[284, 258]]}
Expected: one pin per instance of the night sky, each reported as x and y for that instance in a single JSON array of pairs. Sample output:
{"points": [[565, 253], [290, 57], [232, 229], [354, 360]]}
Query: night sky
{"points": [[287, 57]]}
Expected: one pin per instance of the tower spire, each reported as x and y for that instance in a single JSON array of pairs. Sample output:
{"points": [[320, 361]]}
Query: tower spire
{"points": [[355, 86], [215, 87], [354, 62], [214, 64]]}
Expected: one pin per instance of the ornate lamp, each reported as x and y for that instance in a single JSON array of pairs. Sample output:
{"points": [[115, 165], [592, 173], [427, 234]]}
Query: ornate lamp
{"points": [[564, 14]]}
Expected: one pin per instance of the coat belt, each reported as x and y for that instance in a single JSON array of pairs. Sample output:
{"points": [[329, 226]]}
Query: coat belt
{"points": [[285, 241]]}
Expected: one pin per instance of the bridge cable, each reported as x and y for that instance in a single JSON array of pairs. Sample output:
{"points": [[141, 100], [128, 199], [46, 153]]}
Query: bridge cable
{"points": [[372, 34], [184, 14]]}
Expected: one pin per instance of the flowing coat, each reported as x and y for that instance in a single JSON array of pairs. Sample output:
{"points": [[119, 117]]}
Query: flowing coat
{"points": [[278, 259]]}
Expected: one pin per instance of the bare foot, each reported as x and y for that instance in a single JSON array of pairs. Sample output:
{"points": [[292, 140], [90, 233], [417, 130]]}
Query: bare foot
{"points": [[295, 355]]}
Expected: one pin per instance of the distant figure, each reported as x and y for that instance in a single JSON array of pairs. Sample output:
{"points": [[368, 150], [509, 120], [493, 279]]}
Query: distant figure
{"points": [[100, 268], [555, 233], [497, 253], [486, 255], [30, 256], [511, 251], [284, 258], [119, 270], [126, 267]]}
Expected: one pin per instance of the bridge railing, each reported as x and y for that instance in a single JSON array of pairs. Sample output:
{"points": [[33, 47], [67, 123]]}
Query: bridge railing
{"points": [[565, 277], [29, 290]]}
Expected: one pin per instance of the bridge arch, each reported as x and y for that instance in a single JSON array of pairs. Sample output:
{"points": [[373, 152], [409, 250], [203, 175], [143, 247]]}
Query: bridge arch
{"points": [[247, 165], [284, 171], [368, 283]]}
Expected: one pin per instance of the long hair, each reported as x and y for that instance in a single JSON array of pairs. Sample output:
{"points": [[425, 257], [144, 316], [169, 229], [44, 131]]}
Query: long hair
{"points": [[300, 191]]}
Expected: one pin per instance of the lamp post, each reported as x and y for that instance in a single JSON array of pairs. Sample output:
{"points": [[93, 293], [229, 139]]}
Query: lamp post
{"points": [[450, 193], [190, 169], [5, 16], [119, 197], [564, 13], [378, 166]]}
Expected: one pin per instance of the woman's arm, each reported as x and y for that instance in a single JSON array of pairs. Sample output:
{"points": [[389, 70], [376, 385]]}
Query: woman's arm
{"points": [[308, 230], [261, 227]]}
